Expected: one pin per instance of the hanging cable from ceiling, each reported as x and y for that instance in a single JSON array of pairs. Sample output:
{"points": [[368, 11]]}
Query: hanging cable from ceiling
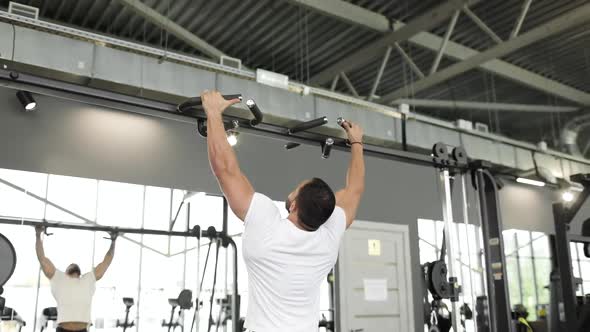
{"points": [[408, 71]]}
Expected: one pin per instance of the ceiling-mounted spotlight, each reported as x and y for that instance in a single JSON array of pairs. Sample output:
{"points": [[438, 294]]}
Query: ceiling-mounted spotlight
{"points": [[232, 138], [567, 196], [27, 100]]}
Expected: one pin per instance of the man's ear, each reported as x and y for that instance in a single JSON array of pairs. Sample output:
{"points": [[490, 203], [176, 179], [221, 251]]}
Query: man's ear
{"points": [[293, 207]]}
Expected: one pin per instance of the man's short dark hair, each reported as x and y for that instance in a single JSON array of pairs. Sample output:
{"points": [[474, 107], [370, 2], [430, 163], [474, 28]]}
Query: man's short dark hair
{"points": [[315, 203]]}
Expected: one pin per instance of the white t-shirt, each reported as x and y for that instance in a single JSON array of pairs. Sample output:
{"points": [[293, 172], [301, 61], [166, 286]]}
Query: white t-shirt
{"points": [[73, 296], [286, 266]]}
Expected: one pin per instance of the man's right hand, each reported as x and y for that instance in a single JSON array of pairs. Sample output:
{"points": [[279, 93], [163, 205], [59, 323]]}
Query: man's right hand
{"points": [[354, 131], [39, 229]]}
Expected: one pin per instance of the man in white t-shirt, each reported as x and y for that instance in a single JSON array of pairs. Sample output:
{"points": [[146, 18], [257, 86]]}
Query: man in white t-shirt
{"points": [[73, 291], [286, 259]]}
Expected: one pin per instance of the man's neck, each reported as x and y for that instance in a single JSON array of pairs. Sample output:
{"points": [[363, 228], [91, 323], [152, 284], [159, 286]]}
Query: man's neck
{"points": [[293, 218]]}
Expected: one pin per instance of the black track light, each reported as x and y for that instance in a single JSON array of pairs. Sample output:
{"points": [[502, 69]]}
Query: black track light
{"points": [[27, 100]]}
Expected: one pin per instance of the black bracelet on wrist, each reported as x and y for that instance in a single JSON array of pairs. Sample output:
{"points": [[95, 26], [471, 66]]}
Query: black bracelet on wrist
{"points": [[351, 143]]}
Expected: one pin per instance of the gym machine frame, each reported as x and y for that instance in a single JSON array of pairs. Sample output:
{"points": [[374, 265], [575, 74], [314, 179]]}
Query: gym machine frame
{"points": [[563, 215], [500, 318], [499, 315]]}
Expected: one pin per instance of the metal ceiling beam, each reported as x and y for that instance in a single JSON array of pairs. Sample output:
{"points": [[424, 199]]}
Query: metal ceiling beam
{"points": [[483, 106], [347, 12], [559, 24], [524, 10], [484, 27], [409, 61], [165, 23], [379, 74], [349, 85], [426, 21], [502, 68], [443, 44]]}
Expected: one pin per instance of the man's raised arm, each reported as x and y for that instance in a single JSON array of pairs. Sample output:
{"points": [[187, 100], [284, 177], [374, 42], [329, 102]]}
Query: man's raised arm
{"points": [[349, 198], [46, 265], [224, 163], [101, 268]]}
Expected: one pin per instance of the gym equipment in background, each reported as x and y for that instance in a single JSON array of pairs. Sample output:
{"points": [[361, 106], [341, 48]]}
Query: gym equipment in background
{"points": [[128, 302], [10, 321], [439, 278], [184, 301], [49, 315], [568, 312]]}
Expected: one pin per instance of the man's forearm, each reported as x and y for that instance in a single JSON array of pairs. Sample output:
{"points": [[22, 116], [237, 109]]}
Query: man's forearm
{"points": [[221, 155], [111, 253], [39, 248], [355, 177], [108, 257]]}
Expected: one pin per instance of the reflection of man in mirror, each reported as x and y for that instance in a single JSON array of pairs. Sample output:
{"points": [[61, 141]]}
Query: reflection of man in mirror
{"points": [[72, 290]]}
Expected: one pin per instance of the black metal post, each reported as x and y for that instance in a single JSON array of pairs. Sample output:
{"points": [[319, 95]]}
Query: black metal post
{"points": [[564, 264], [225, 216], [563, 216], [404, 134], [499, 306], [228, 241], [235, 298], [126, 319]]}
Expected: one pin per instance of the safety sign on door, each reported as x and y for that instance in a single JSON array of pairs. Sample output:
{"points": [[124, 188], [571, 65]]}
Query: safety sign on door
{"points": [[374, 247]]}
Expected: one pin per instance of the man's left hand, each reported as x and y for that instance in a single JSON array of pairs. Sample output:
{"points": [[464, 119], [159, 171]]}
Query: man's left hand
{"points": [[214, 103]]}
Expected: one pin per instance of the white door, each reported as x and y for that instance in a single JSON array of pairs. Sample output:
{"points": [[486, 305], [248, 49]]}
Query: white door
{"points": [[374, 279]]}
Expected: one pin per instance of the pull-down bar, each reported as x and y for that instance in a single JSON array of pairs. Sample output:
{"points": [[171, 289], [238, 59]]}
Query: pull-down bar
{"points": [[197, 102], [195, 232]]}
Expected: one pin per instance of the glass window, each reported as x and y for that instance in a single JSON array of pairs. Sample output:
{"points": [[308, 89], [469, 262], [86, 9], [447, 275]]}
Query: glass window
{"points": [[528, 266], [16, 203], [120, 204], [543, 271], [77, 195], [541, 245]]}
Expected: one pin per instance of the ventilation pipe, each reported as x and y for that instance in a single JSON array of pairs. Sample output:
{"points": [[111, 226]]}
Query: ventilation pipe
{"points": [[570, 132]]}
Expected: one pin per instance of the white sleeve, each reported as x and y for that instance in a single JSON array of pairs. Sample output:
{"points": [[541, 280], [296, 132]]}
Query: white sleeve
{"points": [[336, 224], [262, 212], [57, 280]]}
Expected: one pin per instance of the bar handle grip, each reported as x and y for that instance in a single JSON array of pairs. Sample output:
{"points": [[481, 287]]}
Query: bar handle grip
{"points": [[196, 102], [327, 148], [308, 125], [258, 116]]}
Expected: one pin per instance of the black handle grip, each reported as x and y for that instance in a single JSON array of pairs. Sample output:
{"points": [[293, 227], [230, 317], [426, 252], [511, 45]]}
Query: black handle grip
{"points": [[327, 148], [196, 101], [291, 145], [258, 116], [308, 125]]}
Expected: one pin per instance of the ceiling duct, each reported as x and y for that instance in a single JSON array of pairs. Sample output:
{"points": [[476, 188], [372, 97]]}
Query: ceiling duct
{"points": [[570, 132]]}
